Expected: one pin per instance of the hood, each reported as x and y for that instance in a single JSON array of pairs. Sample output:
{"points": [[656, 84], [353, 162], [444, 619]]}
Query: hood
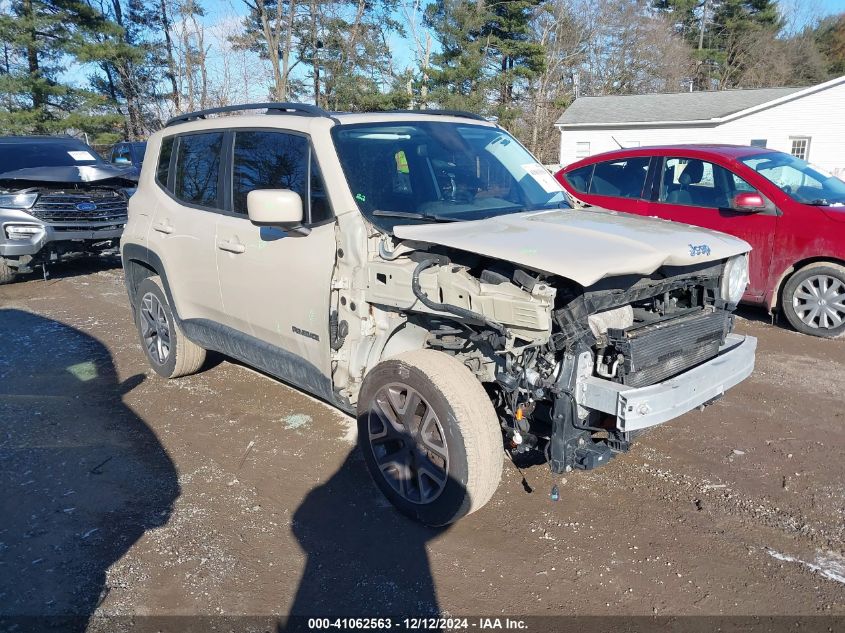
{"points": [[72, 173], [584, 245]]}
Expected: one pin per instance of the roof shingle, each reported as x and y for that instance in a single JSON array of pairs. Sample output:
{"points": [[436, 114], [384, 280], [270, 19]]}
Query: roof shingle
{"points": [[680, 106]]}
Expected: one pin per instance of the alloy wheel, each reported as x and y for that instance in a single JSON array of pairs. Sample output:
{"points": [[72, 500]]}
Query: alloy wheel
{"points": [[408, 443], [155, 328]]}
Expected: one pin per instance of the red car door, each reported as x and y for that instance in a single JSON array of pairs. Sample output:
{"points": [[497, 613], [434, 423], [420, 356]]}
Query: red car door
{"points": [[701, 193]]}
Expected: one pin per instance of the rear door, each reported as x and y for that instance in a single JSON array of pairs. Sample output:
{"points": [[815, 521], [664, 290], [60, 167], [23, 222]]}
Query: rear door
{"points": [[275, 285], [617, 184], [183, 229], [700, 192]]}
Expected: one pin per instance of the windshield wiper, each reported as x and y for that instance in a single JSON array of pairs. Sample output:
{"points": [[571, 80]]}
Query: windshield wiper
{"points": [[412, 215], [819, 202]]}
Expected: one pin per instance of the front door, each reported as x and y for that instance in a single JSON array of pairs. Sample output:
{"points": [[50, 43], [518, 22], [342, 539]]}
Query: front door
{"points": [[275, 285], [700, 193]]}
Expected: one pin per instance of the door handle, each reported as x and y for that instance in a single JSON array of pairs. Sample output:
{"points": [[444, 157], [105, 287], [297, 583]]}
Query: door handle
{"points": [[163, 227], [231, 247]]}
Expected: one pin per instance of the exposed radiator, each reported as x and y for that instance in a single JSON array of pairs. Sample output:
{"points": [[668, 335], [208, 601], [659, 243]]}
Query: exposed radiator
{"points": [[654, 352]]}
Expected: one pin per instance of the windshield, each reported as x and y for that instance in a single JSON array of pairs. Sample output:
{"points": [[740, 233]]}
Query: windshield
{"points": [[803, 183], [59, 153], [403, 173]]}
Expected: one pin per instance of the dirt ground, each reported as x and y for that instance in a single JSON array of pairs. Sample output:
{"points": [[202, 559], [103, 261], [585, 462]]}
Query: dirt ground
{"points": [[230, 493]]}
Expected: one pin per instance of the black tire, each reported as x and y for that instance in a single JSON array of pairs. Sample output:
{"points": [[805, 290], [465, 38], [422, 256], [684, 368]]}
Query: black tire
{"points": [[822, 283], [7, 273], [454, 416], [158, 330]]}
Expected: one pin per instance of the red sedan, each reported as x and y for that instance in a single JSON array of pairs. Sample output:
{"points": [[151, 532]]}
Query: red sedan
{"points": [[791, 213]]}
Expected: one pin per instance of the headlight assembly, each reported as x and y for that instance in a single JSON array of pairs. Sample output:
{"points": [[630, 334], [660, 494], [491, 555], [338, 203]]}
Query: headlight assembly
{"points": [[17, 200], [23, 231], [735, 278]]}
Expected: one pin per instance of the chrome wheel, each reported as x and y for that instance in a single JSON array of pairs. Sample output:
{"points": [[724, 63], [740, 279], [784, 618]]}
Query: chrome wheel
{"points": [[820, 302], [408, 443], [155, 328]]}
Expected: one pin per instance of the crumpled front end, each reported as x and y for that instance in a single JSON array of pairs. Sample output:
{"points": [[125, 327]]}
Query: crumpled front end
{"points": [[574, 372]]}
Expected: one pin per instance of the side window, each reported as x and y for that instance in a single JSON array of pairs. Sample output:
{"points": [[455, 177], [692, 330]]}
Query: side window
{"points": [[198, 168], [163, 166], [699, 183], [579, 179], [739, 185], [620, 178], [320, 207], [268, 160], [122, 155]]}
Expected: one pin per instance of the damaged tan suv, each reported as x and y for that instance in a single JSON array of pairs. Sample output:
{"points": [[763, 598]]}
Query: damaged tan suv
{"points": [[422, 271]]}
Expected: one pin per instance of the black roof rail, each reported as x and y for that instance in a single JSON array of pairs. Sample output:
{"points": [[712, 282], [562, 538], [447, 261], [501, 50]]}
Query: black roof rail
{"points": [[458, 113], [301, 109]]}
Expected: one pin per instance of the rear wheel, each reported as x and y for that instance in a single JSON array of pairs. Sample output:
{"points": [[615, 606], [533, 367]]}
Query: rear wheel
{"points": [[430, 436], [814, 300], [168, 350], [7, 273]]}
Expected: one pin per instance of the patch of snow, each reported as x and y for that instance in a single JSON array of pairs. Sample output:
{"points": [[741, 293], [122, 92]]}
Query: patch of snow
{"points": [[828, 564]]}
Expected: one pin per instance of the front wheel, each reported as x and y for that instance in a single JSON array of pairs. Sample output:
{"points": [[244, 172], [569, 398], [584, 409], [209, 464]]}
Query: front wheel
{"points": [[430, 436], [814, 300]]}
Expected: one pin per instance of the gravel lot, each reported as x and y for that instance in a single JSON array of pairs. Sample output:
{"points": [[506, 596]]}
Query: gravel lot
{"points": [[230, 493]]}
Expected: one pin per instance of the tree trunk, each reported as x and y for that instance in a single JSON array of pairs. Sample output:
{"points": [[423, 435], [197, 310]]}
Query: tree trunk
{"points": [[171, 61]]}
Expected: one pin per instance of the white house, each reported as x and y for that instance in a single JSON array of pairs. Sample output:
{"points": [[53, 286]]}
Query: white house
{"points": [[806, 122]]}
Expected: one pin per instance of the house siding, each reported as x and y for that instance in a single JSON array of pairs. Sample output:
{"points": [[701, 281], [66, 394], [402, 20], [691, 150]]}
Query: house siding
{"points": [[818, 116]]}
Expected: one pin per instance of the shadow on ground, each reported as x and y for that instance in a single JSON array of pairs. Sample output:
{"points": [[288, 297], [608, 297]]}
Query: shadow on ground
{"points": [[364, 558], [82, 476]]}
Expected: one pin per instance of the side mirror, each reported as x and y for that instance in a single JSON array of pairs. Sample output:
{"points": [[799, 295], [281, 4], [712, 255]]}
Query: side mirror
{"points": [[276, 207], [750, 202]]}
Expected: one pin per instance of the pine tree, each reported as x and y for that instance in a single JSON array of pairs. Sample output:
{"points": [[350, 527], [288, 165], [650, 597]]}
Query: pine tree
{"points": [[830, 38], [39, 36], [724, 34], [487, 54], [121, 44]]}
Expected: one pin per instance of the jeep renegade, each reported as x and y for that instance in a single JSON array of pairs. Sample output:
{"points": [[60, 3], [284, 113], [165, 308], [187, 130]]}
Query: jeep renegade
{"points": [[422, 271]]}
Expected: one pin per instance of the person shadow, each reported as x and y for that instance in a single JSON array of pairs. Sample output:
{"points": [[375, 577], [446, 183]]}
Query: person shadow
{"points": [[82, 476], [364, 558]]}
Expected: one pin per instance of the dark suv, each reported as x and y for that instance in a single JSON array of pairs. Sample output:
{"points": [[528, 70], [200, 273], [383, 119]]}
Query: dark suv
{"points": [[58, 198]]}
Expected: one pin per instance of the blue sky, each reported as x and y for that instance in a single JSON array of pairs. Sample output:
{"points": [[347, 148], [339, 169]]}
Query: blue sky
{"points": [[224, 15]]}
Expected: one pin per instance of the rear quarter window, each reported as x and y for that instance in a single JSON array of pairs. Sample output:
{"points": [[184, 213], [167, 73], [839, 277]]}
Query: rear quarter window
{"points": [[163, 167]]}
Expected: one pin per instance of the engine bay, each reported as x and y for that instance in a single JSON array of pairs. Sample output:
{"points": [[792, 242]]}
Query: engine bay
{"points": [[531, 338]]}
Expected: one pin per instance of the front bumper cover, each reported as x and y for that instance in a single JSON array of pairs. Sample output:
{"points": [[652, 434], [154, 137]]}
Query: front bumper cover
{"points": [[93, 232], [644, 407]]}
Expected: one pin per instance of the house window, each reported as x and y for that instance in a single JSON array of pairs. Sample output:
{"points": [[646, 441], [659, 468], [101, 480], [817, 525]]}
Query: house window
{"points": [[582, 149], [758, 142], [800, 146]]}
